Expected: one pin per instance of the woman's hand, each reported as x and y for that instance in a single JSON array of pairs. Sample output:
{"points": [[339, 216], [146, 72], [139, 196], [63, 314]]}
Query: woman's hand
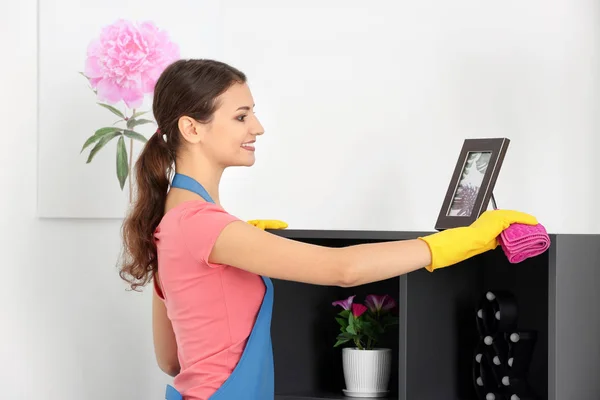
{"points": [[457, 244]]}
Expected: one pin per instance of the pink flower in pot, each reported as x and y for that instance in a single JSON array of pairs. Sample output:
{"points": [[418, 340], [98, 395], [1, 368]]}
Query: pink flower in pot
{"points": [[345, 304], [378, 304], [358, 310], [366, 367]]}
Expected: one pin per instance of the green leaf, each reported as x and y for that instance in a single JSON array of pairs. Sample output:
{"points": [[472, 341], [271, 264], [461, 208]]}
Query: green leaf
{"points": [[370, 317], [350, 327], [346, 335], [342, 322], [132, 122], [389, 320], [122, 165], [340, 342], [371, 331], [98, 135], [134, 135], [358, 325], [112, 110], [138, 113], [103, 140]]}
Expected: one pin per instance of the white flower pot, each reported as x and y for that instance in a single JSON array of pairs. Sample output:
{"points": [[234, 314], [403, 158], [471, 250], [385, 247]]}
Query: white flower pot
{"points": [[366, 372]]}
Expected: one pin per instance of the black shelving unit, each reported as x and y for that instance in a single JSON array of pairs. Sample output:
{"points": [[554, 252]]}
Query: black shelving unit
{"points": [[435, 343]]}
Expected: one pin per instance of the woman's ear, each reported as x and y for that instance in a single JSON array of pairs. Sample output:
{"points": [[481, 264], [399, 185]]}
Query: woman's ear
{"points": [[192, 130]]}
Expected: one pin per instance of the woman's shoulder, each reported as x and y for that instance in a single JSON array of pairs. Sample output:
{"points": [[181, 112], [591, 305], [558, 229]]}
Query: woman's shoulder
{"points": [[197, 223], [194, 212]]}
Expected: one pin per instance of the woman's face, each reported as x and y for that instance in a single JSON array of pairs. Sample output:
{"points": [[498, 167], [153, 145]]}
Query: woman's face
{"points": [[231, 134]]}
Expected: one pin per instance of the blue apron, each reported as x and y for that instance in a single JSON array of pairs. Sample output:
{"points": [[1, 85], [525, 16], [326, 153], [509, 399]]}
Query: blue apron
{"points": [[253, 376]]}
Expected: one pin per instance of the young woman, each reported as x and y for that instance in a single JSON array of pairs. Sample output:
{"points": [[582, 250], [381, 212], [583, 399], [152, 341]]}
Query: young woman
{"points": [[213, 296]]}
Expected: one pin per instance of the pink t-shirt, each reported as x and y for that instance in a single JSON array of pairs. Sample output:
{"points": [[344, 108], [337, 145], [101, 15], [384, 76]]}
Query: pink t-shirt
{"points": [[212, 307]]}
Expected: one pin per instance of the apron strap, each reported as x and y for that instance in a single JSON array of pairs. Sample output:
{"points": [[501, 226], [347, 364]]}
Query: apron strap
{"points": [[187, 183]]}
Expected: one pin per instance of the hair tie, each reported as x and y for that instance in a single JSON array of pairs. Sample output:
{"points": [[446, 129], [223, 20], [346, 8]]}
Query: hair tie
{"points": [[158, 132]]}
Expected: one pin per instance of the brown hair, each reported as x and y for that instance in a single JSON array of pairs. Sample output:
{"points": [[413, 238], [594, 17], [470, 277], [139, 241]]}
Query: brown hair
{"points": [[185, 88]]}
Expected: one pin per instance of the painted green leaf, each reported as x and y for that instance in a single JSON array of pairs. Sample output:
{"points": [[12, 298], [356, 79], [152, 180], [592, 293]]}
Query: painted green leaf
{"points": [[98, 135], [134, 135], [112, 110], [138, 113], [122, 165], [88, 79], [132, 122], [103, 140]]}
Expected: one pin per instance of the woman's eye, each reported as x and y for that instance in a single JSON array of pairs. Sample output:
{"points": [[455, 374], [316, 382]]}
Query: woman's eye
{"points": [[241, 118]]}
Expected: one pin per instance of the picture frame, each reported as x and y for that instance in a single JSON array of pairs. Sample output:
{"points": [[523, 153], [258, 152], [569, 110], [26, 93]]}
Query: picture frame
{"points": [[472, 183]]}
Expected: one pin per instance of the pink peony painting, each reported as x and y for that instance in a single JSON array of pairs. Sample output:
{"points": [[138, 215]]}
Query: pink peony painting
{"points": [[122, 66]]}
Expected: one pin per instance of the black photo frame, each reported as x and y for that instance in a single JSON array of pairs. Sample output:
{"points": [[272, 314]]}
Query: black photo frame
{"points": [[472, 183]]}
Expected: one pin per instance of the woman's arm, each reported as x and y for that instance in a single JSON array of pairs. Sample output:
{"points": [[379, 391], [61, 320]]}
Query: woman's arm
{"points": [[165, 346], [246, 247]]}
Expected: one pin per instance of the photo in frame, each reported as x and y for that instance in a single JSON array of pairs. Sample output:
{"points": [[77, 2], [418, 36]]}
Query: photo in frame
{"points": [[472, 183]]}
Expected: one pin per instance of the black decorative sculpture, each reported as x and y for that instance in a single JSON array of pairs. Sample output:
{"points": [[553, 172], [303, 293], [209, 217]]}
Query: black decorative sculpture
{"points": [[503, 353]]}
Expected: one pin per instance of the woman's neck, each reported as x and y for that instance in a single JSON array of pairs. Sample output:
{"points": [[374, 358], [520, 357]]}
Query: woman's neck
{"points": [[207, 175]]}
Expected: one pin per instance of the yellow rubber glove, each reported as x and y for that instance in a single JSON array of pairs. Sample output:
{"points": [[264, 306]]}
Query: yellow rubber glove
{"points": [[268, 224], [457, 244]]}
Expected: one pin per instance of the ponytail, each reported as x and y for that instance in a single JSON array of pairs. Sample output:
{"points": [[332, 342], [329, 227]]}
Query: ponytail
{"points": [[152, 170]]}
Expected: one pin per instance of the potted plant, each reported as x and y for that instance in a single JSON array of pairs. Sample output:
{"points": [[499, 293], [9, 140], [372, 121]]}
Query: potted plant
{"points": [[366, 367]]}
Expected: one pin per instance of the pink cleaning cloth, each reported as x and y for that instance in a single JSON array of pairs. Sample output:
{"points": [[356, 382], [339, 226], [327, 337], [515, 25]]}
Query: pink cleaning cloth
{"points": [[520, 241]]}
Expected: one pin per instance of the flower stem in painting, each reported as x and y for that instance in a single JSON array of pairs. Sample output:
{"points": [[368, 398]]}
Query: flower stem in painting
{"points": [[124, 161], [130, 166]]}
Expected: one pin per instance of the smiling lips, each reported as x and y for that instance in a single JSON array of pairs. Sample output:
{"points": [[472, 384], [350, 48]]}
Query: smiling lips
{"points": [[248, 146]]}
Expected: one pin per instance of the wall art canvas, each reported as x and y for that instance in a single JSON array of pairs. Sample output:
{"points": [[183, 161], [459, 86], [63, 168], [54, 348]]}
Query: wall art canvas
{"points": [[98, 65]]}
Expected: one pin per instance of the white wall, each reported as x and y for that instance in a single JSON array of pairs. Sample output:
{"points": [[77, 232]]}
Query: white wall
{"points": [[68, 330], [366, 86]]}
